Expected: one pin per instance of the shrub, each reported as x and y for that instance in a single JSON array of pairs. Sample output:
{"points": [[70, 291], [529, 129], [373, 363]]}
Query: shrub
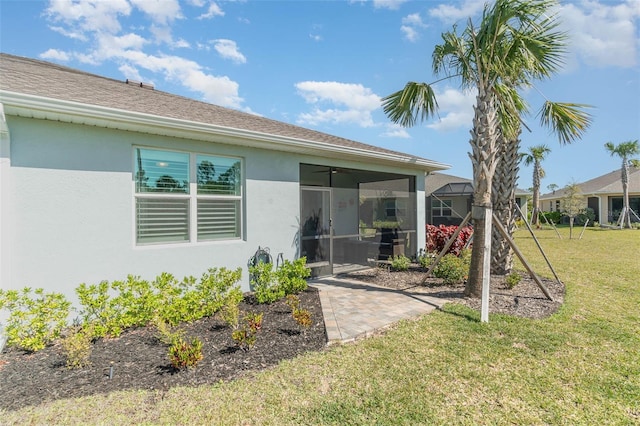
{"points": [[246, 336], [265, 283], [589, 214], [133, 304], [230, 313], [400, 263], [425, 260], [452, 269], [76, 347], [291, 276], [166, 333], [465, 255], [512, 280], [551, 217], [192, 299], [293, 302], [302, 317], [216, 288], [271, 284], [184, 354], [254, 320], [437, 237], [111, 308], [35, 318]]}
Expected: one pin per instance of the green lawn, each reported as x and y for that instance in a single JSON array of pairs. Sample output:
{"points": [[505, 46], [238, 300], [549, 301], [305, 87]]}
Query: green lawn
{"points": [[581, 366]]}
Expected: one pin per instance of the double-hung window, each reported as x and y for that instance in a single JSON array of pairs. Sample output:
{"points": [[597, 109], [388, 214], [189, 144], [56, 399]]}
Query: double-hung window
{"points": [[186, 197], [441, 208]]}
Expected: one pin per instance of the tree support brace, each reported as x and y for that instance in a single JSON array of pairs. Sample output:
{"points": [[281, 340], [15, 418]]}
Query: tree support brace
{"points": [[518, 253]]}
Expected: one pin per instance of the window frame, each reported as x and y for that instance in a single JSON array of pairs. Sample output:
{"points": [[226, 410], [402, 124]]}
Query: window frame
{"points": [[192, 196], [438, 210]]}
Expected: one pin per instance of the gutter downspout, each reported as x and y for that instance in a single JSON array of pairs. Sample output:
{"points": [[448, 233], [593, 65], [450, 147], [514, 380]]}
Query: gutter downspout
{"points": [[5, 220]]}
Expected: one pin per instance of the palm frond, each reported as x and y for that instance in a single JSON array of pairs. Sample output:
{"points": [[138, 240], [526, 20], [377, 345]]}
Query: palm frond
{"points": [[568, 121], [511, 106], [406, 106]]}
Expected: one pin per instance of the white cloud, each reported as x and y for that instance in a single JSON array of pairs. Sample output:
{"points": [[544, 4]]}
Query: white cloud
{"points": [[315, 37], [218, 90], [111, 44], [161, 12], [414, 19], [55, 54], [181, 43], [603, 34], [395, 131], [354, 103], [88, 15], [130, 72], [97, 22], [228, 49], [163, 34], [410, 26], [73, 34], [450, 14], [410, 33], [455, 109], [388, 4], [213, 11]]}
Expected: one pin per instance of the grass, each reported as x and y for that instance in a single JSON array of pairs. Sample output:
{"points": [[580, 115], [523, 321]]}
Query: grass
{"points": [[580, 366]]}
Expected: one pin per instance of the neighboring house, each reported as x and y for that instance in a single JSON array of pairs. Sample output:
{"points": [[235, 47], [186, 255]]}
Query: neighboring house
{"points": [[101, 178], [602, 194], [449, 198]]}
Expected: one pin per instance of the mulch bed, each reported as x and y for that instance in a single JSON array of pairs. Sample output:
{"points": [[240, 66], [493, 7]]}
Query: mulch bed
{"points": [[138, 360], [524, 300]]}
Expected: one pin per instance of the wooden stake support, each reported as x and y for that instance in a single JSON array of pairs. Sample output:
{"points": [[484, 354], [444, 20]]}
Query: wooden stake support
{"points": [[518, 253], [541, 250], [583, 228]]}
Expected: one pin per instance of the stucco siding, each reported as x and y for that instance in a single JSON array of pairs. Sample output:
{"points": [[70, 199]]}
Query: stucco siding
{"points": [[72, 208]]}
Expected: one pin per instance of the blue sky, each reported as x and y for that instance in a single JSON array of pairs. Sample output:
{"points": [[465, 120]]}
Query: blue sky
{"points": [[325, 65]]}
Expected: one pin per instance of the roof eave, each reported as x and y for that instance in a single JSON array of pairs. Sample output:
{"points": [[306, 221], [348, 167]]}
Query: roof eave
{"points": [[93, 115]]}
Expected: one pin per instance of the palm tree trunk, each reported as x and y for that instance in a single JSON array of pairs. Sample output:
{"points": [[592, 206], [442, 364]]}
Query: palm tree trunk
{"points": [[483, 158], [536, 194], [503, 194], [625, 221]]}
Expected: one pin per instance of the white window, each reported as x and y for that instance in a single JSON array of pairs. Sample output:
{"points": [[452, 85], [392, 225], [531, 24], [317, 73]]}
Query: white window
{"points": [[441, 208], [182, 197]]}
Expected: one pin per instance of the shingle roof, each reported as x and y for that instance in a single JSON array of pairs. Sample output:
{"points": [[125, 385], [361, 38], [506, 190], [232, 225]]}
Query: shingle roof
{"points": [[436, 181], [442, 184], [609, 183], [48, 80]]}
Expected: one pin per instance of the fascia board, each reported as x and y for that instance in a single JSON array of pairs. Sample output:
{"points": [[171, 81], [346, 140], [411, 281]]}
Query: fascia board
{"points": [[80, 113]]}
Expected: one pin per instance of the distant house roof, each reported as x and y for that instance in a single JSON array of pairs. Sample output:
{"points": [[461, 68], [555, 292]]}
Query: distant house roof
{"points": [[442, 184], [609, 183], [40, 89], [454, 188]]}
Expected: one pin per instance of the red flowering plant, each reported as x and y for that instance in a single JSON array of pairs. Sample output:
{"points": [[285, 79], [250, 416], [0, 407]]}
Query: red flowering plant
{"points": [[437, 237]]}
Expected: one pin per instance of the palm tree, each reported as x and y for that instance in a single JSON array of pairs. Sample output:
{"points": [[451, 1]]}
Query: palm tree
{"points": [[515, 43], [625, 150], [535, 156]]}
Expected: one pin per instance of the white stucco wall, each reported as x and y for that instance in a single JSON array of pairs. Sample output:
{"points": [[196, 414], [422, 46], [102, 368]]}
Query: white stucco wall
{"points": [[71, 198], [72, 208]]}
